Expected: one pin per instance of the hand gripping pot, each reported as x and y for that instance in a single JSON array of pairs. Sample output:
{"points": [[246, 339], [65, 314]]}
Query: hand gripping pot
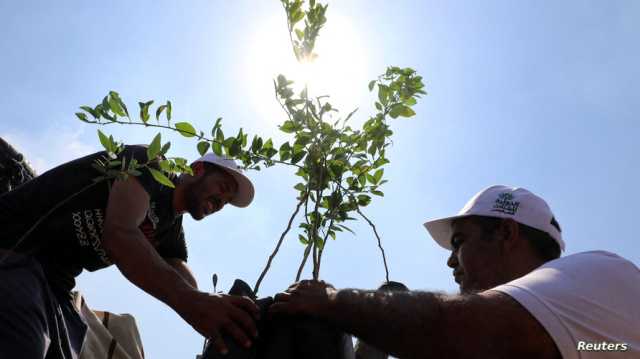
{"points": [[285, 338]]}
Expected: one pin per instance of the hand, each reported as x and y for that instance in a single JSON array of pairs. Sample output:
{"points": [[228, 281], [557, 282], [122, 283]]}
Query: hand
{"points": [[214, 314], [308, 297]]}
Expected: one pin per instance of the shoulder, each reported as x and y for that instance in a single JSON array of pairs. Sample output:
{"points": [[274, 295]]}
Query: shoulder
{"points": [[494, 325], [581, 269], [583, 296]]}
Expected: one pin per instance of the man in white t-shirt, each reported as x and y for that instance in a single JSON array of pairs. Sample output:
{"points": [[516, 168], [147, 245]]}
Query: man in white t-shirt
{"points": [[518, 298]]}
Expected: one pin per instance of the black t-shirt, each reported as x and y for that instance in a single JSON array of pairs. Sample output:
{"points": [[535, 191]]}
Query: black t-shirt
{"points": [[69, 239]]}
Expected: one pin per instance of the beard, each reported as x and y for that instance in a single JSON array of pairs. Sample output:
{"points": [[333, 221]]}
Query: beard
{"points": [[193, 205]]}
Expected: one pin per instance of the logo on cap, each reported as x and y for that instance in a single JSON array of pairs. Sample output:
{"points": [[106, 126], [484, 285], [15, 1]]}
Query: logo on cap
{"points": [[505, 204]]}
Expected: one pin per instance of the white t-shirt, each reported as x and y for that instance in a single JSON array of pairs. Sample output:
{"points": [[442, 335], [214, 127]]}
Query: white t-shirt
{"points": [[583, 300]]}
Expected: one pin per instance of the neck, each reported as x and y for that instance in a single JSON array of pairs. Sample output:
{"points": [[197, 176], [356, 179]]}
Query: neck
{"points": [[179, 203], [524, 264]]}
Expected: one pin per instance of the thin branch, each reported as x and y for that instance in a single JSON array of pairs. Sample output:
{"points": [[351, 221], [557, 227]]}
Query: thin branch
{"points": [[189, 133], [324, 245], [307, 250], [375, 231], [315, 231], [282, 105], [290, 30], [275, 251]]}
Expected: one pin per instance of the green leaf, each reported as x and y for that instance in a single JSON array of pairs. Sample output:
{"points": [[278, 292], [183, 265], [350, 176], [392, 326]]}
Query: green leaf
{"points": [[362, 179], [82, 116], [105, 104], [378, 106], [124, 107], [407, 112], [104, 140], [165, 148], [288, 127], [235, 147], [160, 177], [371, 84], [217, 148], [186, 129], [144, 110], [302, 239], [380, 162], [378, 175], [401, 110], [203, 147], [93, 112], [346, 228], [256, 144], [168, 110], [159, 111], [154, 148], [383, 94], [363, 200], [299, 34], [300, 187], [297, 156], [410, 101], [378, 193], [114, 104], [165, 165]]}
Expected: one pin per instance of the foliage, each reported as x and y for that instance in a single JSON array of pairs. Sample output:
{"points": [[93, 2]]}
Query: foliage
{"points": [[340, 168]]}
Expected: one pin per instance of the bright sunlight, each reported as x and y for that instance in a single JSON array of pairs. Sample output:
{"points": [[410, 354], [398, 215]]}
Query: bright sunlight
{"points": [[339, 70]]}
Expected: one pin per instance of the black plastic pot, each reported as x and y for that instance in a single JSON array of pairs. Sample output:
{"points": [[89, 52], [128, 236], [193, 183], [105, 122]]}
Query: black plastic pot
{"points": [[285, 338]]}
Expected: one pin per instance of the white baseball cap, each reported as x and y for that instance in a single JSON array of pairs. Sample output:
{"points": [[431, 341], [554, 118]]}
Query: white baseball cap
{"points": [[244, 196], [501, 202]]}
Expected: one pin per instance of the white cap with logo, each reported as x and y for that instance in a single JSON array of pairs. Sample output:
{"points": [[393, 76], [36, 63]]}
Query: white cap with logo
{"points": [[244, 196], [502, 202]]}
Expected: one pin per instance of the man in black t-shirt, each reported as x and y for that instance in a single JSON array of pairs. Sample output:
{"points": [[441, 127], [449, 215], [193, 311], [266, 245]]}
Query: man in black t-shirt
{"points": [[62, 222]]}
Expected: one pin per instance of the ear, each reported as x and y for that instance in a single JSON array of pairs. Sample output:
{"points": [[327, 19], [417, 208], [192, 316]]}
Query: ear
{"points": [[198, 169], [510, 233]]}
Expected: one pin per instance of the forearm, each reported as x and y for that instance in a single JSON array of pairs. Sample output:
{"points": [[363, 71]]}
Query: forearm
{"points": [[141, 265], [402, 324], [183, 269]]}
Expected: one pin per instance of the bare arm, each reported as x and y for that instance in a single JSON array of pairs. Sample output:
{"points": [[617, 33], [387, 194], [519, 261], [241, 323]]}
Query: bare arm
{"points": [[130, 251], [135, 257], [183, 269], [423, 324]]}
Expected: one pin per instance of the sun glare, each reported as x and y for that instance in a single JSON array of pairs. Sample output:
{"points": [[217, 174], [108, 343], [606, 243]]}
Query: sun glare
{"points": [[339, 71]]}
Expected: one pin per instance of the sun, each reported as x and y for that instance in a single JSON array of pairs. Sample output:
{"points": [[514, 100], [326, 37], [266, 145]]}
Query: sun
{"points": [[339, 70]]}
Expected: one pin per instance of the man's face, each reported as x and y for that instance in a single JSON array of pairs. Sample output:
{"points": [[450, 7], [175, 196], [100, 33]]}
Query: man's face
{"points": [[477, 258], [209, 193]]}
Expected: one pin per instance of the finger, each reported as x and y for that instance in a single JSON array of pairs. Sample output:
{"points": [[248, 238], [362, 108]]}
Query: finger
{"points": [[243, 319], [237, 334], [246, 304], [279, 308], [218, 343], [282, 297]]}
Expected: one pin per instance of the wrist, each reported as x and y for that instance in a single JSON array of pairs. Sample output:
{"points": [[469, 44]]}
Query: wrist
{"points": [[331, 306], [181, 297]]}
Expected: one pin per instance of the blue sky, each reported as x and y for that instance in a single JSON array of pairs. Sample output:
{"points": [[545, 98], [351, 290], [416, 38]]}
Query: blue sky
{"points": [[539, 94]]}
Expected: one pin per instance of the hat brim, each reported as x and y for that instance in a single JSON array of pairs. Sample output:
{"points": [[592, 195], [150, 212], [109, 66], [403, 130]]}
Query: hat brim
{"points": [[440, 230], [244, 195]]}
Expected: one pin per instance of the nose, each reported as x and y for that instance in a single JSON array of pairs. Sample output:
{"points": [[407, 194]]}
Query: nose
{"points": [[452, 262]]}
